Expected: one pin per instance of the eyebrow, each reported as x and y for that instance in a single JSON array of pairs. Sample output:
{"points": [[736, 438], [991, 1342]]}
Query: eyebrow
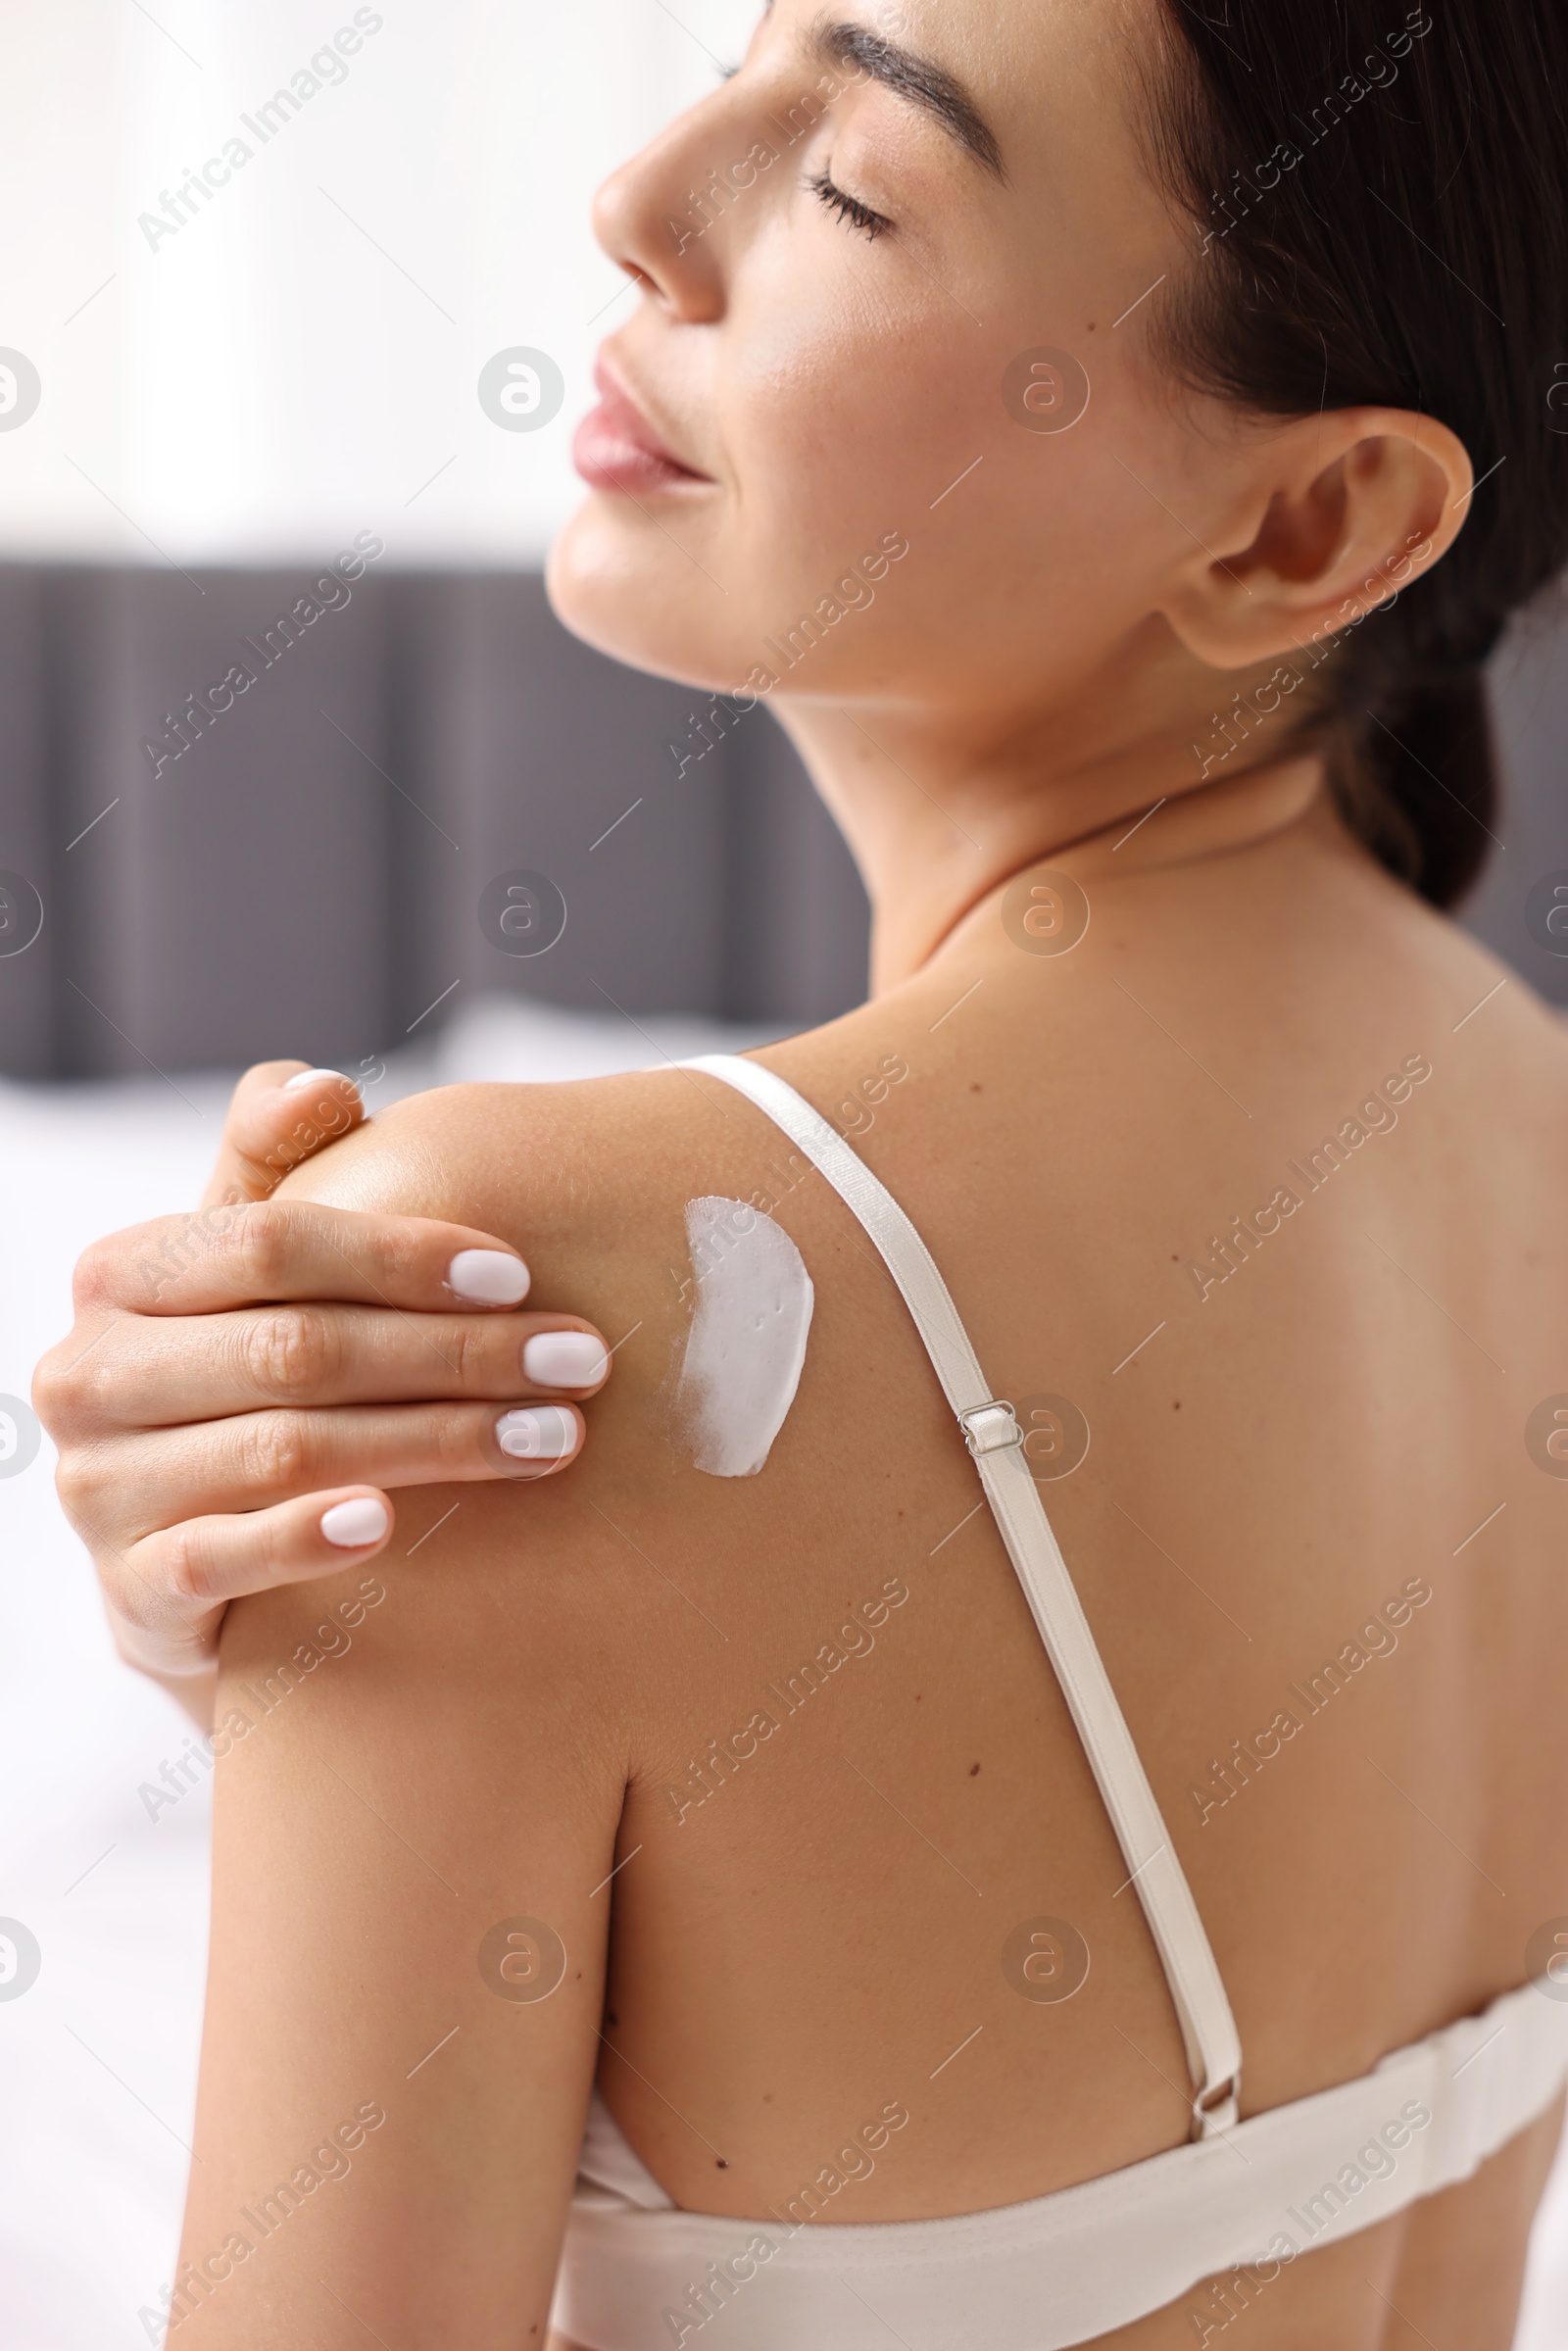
{"points": [[925, 84]]}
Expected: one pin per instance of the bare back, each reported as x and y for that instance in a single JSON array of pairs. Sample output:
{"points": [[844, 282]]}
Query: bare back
{"points": [[1252, 1195]]}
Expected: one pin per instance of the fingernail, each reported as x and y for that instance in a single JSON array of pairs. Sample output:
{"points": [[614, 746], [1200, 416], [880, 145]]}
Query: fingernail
{"points": [[351, 1524], [318, 1077], [565, 1358], [489, 1277], [541, 1432]]}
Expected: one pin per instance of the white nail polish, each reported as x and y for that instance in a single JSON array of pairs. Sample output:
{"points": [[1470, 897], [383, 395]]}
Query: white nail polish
{"points": [[351, 1524], [318, 1077], [489, 1277], [536, 1433], [564, 1359]]}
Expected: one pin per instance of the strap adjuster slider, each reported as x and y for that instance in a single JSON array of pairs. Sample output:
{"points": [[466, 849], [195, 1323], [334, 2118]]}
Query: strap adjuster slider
{"points": [[990, 1427], [1216, 2111]]}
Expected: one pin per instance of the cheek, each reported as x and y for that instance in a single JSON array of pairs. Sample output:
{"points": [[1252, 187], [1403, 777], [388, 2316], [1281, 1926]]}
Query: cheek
{"points": [[833, 413], [856, 419], [852, 400], [840, 406]]}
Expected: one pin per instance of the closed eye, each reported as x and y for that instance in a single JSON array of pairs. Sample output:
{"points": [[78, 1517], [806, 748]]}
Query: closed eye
{"points": [[848, 208]]}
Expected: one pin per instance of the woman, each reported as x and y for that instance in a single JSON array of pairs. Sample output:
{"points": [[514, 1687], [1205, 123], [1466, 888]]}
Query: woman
{"points": [[1111, 440]]}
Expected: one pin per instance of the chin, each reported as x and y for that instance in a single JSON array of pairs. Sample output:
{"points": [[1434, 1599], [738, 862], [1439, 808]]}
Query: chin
{"points": [[618, 584]]}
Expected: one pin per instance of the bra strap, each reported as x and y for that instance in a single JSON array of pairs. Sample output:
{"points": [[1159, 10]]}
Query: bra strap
{"points": [[992, 1436]]}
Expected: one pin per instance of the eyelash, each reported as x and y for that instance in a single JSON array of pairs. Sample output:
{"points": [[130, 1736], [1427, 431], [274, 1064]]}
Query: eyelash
{"points": [[848, 207]]}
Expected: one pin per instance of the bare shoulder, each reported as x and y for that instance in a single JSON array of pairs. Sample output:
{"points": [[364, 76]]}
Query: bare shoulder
{"points": [[639, 1548], [527, 1162], [586, 1180], [596, 1184], [592, 1181]]}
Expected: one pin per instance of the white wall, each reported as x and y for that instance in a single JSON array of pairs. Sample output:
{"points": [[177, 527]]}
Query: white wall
{"points": [[265, 382]]}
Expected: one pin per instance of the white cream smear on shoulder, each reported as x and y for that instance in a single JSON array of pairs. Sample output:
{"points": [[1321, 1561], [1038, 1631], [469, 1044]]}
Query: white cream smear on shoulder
{"points": [[747, 1343]]}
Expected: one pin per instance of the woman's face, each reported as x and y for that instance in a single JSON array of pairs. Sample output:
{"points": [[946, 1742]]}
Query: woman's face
{"points": [[884, 421]]}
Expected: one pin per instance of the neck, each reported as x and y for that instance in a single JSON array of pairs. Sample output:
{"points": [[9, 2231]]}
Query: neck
{"points": [[936, 820]]}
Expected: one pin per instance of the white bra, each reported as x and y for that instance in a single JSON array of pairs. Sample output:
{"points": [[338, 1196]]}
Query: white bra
{"points": [[637, 2274]]}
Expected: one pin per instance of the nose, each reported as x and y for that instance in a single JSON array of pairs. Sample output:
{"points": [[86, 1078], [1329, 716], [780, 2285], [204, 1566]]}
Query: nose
{"points": [[663, 215]]}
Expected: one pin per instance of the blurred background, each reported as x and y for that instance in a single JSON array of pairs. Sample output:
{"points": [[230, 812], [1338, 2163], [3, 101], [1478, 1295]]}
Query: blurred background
{"points": [[220, 374], [235, 385]]}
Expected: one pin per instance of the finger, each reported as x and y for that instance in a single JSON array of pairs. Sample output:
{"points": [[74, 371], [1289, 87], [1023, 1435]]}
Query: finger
{"points": [[207, 1563], [160, 1371], [276, 1250], [280, 1114], [131, 1485], [175, 1584]]}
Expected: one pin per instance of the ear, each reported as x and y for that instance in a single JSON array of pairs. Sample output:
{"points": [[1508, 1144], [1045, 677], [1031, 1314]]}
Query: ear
{"points": [[1337, 513]]}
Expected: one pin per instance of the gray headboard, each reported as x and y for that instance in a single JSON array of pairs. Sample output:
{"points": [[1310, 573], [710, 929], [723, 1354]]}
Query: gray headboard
{"points": [[305, 873]]}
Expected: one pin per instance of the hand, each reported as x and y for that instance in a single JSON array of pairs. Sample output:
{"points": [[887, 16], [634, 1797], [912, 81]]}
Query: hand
{"points": [[242, 1385]]}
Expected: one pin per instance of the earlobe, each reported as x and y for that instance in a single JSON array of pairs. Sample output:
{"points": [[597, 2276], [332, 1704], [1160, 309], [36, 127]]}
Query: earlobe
{"points": [[1355, 505]]}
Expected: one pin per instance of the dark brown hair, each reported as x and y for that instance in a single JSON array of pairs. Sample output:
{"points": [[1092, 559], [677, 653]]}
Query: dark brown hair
{"points": [[1381, 193]]}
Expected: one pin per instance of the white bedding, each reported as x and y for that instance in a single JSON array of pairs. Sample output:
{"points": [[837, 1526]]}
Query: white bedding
{"points": [[98, 2058]]}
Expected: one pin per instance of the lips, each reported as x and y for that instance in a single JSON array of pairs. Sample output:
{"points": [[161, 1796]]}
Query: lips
{"points": [[615, 448]]}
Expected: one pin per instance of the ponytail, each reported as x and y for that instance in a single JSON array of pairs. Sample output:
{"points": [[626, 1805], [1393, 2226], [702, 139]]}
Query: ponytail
{"points": [[1417, 782]]}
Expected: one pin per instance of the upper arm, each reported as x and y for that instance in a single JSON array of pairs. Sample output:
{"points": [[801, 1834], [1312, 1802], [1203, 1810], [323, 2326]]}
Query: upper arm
{"points": [[393, 2078], [462, 1765]]}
